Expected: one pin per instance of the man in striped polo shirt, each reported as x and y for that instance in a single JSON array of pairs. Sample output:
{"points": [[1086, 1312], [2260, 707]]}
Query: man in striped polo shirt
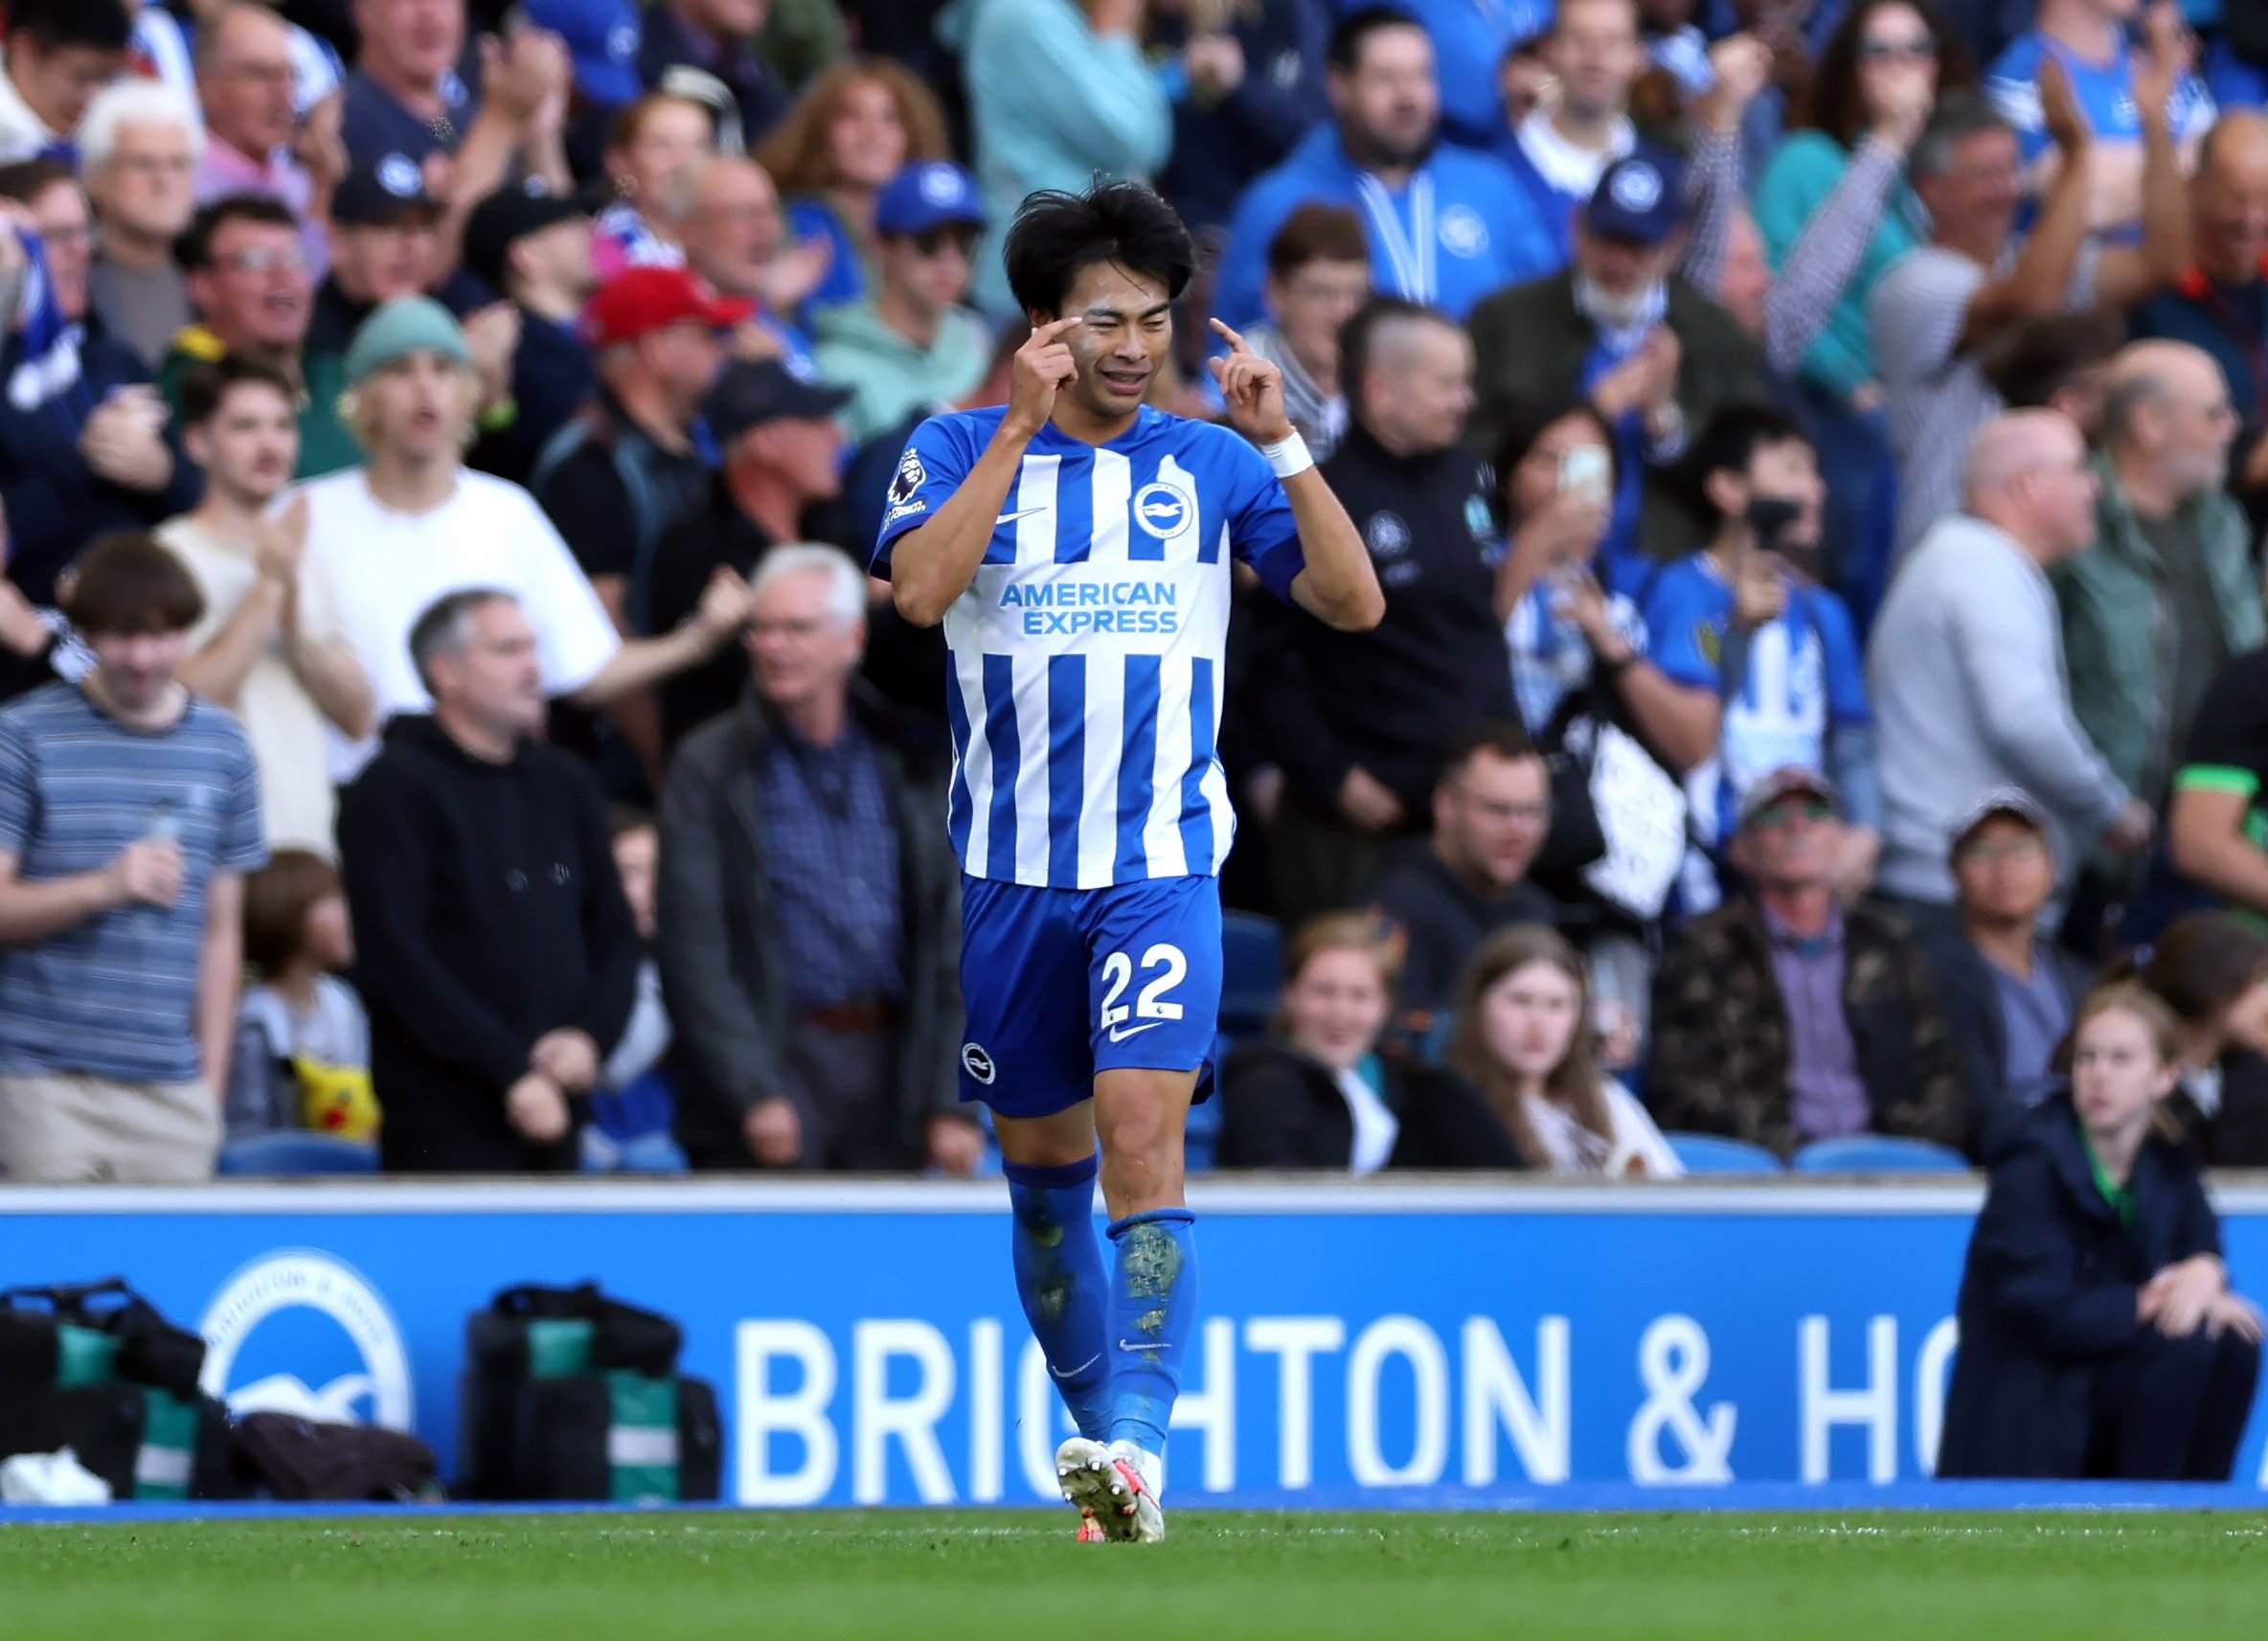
{"points": [[130, 812]]}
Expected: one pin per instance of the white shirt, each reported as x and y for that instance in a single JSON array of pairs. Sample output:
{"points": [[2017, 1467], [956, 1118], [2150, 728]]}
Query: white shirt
{"points": [[23, 134], [387, 568], [1571, 169], [1376, 1125], [1575, 1150]]}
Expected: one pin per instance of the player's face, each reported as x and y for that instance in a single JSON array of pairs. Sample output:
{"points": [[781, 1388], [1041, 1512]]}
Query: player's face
{"points": [[1335, 1007], [2005, 872], [2117, 1074], [1121, 347], [251, 443], [1530, 1016], [1789, 471]]}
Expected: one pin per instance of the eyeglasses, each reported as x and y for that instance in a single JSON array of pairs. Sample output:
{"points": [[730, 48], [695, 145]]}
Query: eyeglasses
{"points": [[1918, 48], [264, 258], [1780, 816]]}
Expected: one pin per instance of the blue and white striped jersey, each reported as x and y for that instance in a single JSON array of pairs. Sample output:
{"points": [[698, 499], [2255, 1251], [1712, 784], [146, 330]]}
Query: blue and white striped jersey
{"points": [[1087, 657]]}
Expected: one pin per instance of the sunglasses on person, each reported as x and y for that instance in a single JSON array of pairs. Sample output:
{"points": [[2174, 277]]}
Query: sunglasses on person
{"points": [[933, 241], [1915, 48], [1779, 816]]}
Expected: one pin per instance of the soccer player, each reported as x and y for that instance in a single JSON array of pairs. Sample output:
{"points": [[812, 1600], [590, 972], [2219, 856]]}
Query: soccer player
{"points": [[1078, 547]]}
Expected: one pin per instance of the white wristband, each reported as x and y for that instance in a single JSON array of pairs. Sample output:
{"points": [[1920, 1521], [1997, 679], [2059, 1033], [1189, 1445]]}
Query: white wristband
{"points": [[1288, 456]]}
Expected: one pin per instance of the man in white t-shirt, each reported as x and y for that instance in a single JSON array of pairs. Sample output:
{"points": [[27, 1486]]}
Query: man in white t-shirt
{"points": [[415, 524], [268, 646]]}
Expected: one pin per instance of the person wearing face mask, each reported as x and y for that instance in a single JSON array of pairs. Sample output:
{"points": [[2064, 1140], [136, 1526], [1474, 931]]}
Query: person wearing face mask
{"points": [[2099, 1334], [1524, 1039], [1317, 1094], [1655, 356]]}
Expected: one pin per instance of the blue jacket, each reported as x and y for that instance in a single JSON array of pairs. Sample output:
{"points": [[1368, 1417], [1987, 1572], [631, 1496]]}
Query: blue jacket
{"points": [[55, 504], [1552, 207], [2050, 1292], [1219, 149], [1479, 233]]}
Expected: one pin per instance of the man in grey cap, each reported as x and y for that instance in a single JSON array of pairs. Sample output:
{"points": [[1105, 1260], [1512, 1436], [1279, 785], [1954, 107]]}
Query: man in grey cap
{"points": [[1784, 1017], [2008, 993], [414, 524]]}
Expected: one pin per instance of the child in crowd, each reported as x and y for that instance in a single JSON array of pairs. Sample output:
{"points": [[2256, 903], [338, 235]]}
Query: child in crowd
{"points": [[632, 1106], [302, 1056]]}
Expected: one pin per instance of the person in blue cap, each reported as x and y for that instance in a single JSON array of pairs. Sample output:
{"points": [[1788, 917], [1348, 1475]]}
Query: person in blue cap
{"points": [[911, 343]]}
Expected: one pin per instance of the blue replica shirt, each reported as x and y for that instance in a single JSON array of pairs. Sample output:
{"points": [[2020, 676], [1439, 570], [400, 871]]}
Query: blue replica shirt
{"points": [[1087, 657], [381, 134], [2234, 83], [1458, 229], [1805, 676], [2105, 92]]}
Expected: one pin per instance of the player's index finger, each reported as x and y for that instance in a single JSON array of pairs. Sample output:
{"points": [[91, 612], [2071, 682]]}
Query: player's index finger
{"points": [[1056, 328], [1234, 340]]}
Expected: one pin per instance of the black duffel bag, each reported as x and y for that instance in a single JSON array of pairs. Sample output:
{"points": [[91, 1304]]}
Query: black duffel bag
{"points": [[289, 1457]]}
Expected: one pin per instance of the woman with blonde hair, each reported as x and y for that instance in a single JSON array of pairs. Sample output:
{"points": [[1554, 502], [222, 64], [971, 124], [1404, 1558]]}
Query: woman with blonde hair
{"points": [[853, 130], [1317, 1094], [1525, 1040]]}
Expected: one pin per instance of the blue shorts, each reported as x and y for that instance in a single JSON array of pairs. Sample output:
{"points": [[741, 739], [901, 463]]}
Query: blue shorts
{"points": [[1063, 983]]}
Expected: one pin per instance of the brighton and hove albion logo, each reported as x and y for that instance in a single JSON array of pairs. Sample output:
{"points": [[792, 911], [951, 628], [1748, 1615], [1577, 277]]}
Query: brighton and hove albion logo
{"points": [[1162, 509], [299, 1332], [977, 1063], [1463, 233]]}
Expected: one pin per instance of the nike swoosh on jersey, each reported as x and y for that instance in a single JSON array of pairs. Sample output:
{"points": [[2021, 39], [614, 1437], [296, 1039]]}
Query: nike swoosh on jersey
{"points": [[1120, 1034], [1068, 1373], [1011, 517]]}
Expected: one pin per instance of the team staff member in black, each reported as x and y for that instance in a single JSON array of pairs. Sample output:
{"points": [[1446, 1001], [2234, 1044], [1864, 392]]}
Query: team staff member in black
{"points": [[1359, 721]]}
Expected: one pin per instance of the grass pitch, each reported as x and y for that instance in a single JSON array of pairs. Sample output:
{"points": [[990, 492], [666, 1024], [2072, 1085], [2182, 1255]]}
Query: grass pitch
{"points": [[1001, 1575]]}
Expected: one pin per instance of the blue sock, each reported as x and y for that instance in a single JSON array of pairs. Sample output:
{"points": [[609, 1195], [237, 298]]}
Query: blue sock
{"points": [[1059, 1279], [1154, 1311]]}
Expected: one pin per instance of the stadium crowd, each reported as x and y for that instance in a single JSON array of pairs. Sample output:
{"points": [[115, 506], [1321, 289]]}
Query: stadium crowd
{"points": [[1815, 454]]}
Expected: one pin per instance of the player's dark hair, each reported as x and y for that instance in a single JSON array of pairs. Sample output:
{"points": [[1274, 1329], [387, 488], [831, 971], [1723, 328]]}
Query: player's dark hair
{"points": [[1056, 233], [1729, 443], [1355, 30], [192, 250], [1358, 338], [205, 389], [96, 24]]}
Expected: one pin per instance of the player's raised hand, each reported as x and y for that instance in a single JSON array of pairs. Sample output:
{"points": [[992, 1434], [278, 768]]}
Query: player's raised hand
{"points": [[1044, 366], [1254, 389]]}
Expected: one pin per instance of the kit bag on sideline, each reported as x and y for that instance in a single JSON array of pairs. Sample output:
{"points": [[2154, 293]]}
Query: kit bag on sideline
{"points": [[96, 1368], [569, 1394], [285, 1456]]}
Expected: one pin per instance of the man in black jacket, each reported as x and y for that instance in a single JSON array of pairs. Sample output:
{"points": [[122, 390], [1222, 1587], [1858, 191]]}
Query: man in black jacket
{"points": [[494, 949], [1359, 721], [810, 907]]}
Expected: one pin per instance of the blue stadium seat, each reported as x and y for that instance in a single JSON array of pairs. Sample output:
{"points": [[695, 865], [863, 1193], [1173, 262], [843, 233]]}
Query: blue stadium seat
{"points": [[1878, 1153], [291, 1151], [1713, 1153], [1252, 972]]}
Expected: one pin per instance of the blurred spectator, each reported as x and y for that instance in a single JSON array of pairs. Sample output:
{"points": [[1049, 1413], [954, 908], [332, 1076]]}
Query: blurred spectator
{"points": [[2007, 992], [129, 812], [249, 282], [809, 907], [1965, 668], [2217, 824], [911, 344], [1784, 1017], [60, 53], [1059, 94], [1836, 212], [1524, 1039], [2168, 592], [494, 947], [1317, 1095], [633, 464], [253, 141], [1360, 721], [2061, 363], [2088, 38], [1446, 225], [83, 446], [2211, 969], [735, 240], [1936, 307], [1448, 894], [414, 525], [386, 239], [269, 646], [1246, 81], [137, 154], [407, 107], [302, 1058], [2221, 303], [1470, 41], [38, 645], [604, 38], [2099, 1334], [655, 144], [1319, 276], [779, 441], [1557, 153], [1768, 669], [1658, 358], [534, 251], [714, 37], [853, 130], [634, 1109]]}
